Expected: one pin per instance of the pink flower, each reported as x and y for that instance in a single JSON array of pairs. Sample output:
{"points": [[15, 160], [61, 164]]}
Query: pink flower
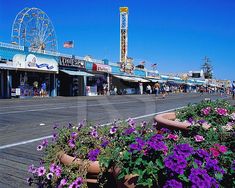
{"points": [[41, 171], [222, 111], [173, 137], [206, 111], [214, 152], [206, 126], [199, 138], [223, 149], [52, 167]]}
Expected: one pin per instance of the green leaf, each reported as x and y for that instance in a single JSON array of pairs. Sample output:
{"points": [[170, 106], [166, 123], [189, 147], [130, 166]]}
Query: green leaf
{"points": [[183, 178], [159, 163]]}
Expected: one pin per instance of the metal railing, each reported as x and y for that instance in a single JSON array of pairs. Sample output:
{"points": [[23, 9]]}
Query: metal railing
{"points": [[12, 46]]}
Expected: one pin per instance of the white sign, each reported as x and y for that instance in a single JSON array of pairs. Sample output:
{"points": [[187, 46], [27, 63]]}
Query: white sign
{"points": [[36, 63]]}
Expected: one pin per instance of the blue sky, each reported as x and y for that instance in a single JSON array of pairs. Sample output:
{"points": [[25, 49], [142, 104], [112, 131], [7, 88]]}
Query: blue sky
{"points": [[175, 34]]}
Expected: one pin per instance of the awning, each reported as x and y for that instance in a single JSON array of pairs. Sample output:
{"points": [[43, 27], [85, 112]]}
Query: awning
{"points": [[131, 79], [126, 78], [76, 73]]}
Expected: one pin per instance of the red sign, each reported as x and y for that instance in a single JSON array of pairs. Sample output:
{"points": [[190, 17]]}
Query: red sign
{"points": [[101, 68]]}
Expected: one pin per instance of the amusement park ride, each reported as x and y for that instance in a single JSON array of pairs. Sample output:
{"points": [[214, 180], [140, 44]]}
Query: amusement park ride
{"points": [[126, 62], [34, 29]]}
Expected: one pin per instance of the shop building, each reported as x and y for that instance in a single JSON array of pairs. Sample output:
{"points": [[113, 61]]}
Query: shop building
{"points": [[24, 73], [72, 79]]}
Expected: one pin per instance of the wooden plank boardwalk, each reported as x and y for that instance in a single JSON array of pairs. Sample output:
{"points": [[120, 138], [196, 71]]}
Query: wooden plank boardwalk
{"points": [[14, 164]]}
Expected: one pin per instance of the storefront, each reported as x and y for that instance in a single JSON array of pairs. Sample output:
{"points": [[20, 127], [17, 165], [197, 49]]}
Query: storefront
{"points": [[100, 83], [72, 80], [34, 75]]}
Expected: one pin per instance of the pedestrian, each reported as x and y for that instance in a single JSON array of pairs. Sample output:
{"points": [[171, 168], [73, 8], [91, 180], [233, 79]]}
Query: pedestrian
{"points": [[148, 89], [141, 88], [115, 90], [156, 88], [233, 90], [163, 91]]}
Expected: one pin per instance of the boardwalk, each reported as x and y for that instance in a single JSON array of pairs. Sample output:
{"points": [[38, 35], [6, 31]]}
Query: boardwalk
{"points": [[14, 161]]}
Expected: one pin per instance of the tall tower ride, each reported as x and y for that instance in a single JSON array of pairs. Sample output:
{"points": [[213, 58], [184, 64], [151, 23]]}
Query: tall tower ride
{"points": [[123, 34]]}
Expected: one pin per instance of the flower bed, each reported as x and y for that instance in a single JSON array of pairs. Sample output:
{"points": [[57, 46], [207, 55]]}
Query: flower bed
{"points": [[141, 155]]}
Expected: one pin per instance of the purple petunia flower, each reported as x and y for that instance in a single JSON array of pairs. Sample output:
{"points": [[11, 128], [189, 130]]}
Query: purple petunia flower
{"points": [[202, 153], [41, 171], [129, 131], [173, 184], [52, 167], [93, 154], [131, 122], [191, 120], [199, 138], [200, 178], [54, 137], [143, 124], [183, 149], [94, 133], [32, 169], [49, 176], [63, 182], [158, 146], [29, 181], [39, 148], [44, 143], [198, 162], [176, 163], [157, 137], [71, 143], [201, 121], [74, 135], [104, 143], [73, 185], [113, 130], [138, 146], [58, 171], [79, 181]]}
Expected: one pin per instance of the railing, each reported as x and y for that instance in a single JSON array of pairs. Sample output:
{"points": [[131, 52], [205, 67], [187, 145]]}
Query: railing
{"points": [[12, 46]]}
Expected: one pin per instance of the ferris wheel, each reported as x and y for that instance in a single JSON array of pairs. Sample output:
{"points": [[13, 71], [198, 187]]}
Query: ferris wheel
{"points": [[33, 28]]}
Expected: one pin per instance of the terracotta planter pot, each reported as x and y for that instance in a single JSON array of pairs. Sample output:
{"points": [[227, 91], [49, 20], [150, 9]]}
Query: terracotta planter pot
{"points": [[167, 120], [92, 171], [129, 181]]}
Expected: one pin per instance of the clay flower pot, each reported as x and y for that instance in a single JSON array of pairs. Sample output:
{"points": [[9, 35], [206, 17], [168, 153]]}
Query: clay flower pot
{"points": [[167, 120], [92, 171], [129, 181]]}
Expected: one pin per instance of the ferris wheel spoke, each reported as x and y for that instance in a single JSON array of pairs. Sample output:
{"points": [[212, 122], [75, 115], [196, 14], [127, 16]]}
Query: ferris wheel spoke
{"points": [[33, 28]]}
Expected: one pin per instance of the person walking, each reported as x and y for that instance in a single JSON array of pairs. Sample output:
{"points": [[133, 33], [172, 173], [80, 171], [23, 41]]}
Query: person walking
{"points": [[141, 88], [156, 88], [115, 90], [148, 89]]}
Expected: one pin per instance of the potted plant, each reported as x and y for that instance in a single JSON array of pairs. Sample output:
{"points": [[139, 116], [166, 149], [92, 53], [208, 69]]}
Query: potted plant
{"points": [[139, 155], [71, 160]]}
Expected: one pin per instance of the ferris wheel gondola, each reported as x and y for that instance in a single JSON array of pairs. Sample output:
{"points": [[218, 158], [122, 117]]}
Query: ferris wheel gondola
{"points": [[34, 29]]}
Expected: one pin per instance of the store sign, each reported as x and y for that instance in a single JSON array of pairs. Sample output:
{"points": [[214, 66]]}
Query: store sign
{"points": [[31, 61], [72, 62], [101, 68], [153, 75]]}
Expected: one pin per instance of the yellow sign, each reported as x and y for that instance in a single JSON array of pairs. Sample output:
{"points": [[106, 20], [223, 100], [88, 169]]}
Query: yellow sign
{"points": [[123, 9]]}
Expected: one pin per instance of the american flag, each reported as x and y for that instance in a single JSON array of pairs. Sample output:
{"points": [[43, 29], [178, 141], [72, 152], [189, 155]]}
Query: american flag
{"points": [[154, 65], [68, 44]]}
